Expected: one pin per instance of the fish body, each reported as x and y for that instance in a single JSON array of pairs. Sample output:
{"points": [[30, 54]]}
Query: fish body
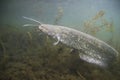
{"points": [[90, 48]]}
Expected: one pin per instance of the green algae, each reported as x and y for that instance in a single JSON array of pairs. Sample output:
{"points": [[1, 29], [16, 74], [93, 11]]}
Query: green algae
{"points": [[26, 55]]}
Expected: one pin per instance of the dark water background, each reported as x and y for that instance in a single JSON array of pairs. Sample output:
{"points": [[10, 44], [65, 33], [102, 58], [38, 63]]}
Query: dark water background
{"points": [[26, 54]]}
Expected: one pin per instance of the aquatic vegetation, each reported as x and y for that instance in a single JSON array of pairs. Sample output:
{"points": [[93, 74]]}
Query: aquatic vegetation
{"points": [[98, 23], [2, 47], [59, 15], [98, 15], [26, 55]]}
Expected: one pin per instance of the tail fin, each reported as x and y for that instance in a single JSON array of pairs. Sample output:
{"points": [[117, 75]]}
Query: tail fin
{"points": [[32, 19]]}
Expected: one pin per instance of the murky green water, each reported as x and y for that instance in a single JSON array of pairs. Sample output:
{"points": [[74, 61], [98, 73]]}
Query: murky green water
{"points": [[27, 54]]}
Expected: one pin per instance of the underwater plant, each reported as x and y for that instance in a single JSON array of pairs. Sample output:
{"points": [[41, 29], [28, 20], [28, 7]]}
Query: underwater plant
{"points": [[30, 56], [59, 15], [92, 27], [97, 24]]}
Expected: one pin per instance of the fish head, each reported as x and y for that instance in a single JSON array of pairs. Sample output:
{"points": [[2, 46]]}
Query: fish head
{"points": [[51, 30]]}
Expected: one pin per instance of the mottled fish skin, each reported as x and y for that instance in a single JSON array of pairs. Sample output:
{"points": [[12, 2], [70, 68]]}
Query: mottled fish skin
{"points": [[90, 48]]}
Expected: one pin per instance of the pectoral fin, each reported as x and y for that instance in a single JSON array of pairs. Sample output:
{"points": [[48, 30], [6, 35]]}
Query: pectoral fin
{"points": [[55, 43], [58, 40]]}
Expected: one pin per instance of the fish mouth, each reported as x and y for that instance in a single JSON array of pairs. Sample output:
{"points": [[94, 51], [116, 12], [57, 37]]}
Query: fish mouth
{"points": [[40, 27], [43, 29]]}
